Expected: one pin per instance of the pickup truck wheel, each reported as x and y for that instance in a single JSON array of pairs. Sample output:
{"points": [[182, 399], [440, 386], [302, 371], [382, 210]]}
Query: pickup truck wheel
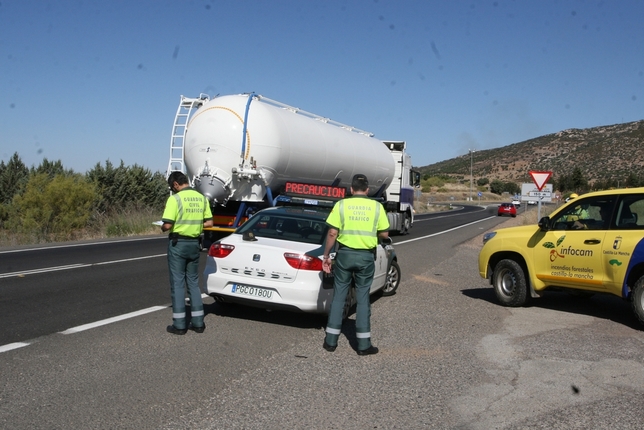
{"points": [[392, 281], [638, 299], [510, 284]]}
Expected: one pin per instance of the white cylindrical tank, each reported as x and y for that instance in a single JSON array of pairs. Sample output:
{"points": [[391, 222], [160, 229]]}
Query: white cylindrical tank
{"points": [[280, 144]]}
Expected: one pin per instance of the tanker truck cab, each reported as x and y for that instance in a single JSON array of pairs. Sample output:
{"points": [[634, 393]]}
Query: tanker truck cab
{"points": [[398, 198], [274, 260]]}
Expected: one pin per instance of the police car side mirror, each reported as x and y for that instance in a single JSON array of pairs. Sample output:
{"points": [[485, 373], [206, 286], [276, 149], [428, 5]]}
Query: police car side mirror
{"points": [[544, 223]]}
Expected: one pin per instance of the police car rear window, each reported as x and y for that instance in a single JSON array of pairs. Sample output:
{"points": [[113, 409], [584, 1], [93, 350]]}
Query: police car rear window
{"points": [[294, 229]]}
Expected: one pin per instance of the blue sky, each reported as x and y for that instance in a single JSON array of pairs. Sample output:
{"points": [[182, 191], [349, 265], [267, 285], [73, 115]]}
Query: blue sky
{"points": [[88, 81]]}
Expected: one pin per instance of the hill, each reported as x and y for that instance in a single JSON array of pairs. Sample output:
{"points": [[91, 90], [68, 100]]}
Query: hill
{"points": [[601, 153]]}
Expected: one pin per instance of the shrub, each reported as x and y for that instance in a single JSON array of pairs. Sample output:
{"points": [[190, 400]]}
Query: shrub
{"points": [[52, 207]]}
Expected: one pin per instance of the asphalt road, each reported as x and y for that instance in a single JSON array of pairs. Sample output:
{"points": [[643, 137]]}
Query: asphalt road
{"points": [[451, 357]]}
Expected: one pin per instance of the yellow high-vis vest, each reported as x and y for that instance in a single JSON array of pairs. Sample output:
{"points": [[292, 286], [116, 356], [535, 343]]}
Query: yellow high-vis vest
{"points": [[186, 211], [358, 220]]}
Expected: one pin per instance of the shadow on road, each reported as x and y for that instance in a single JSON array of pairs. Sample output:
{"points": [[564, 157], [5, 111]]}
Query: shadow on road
{"points": [[279, 317], [602, 306], [285, 318]]}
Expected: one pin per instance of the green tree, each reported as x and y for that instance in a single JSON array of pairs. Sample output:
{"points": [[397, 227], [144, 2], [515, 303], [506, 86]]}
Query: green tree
{"points": [[121, 188], [13, 178], [512, 188], [433, 181], [574, 182], [632, 181], [578, 181], [52, 208], [149, 190], [563, 183], [51, 168], [497, 187]]}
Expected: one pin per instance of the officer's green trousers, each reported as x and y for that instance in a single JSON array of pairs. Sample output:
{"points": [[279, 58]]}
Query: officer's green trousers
{"points": [[351, 265], [183, 263]]}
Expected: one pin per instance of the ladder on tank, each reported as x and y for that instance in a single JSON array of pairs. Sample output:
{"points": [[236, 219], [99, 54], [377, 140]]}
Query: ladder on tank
{"points": [[187, 107]]}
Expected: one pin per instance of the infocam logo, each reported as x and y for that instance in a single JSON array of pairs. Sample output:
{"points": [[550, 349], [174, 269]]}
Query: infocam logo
{"points": [[554, 254]]}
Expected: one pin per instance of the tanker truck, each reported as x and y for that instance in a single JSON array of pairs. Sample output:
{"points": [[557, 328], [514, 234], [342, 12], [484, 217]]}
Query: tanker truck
{"points": [[241, 150]]}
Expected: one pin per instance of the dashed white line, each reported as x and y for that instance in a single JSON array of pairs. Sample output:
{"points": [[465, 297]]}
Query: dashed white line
{"points": [[80, 328], [74, 245], [10, 346], [112, 320], [72, 266]]}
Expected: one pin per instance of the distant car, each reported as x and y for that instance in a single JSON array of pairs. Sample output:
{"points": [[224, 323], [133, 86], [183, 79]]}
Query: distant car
{"points": [[507, 209], [516, 203], [273, 261], [532, 202]]}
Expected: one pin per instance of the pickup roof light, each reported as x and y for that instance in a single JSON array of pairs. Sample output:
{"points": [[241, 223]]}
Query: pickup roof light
{"points": [[488, 236], [220, 250], [303, 261]]}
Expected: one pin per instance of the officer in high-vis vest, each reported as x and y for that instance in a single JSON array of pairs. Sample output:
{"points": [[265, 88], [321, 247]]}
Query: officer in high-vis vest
{"points": [[355, 223], [186, 213]]}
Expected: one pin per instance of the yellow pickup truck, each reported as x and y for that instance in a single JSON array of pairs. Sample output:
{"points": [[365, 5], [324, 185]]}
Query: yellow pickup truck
{"points": [[592, 244]]}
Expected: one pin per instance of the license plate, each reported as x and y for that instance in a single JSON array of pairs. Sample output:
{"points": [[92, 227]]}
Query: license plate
{"points": [[246, 290]]}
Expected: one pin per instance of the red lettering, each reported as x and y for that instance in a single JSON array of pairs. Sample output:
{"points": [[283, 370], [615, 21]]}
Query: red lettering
{"points": [[315, 190]]}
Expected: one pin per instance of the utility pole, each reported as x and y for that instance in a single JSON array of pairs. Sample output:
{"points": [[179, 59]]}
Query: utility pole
{"points": [[471, 151]]}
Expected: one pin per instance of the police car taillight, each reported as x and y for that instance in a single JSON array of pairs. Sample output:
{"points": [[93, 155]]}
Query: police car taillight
{"points": [[303, 261], [220, 250]]}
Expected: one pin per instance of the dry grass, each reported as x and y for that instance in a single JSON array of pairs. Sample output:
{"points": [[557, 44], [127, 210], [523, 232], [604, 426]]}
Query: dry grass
{"points": [[127, 223]]}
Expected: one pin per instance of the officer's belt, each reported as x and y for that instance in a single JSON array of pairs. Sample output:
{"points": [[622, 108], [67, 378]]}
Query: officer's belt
{"points": [[343, 246], [175, 236]]}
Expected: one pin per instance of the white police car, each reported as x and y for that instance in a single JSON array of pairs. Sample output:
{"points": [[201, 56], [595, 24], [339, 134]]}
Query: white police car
{"points": [[274, 261]]}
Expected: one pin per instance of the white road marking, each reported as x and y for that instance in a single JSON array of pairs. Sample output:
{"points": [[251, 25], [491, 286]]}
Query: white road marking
{"points": [[72, 266], [112, 320], [10, 346], [444, 231], [74, 245], [80, 328]]}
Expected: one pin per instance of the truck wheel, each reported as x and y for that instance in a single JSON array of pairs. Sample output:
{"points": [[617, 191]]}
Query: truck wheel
{"points": [[637, 299], [392, 281], [348, 303], [406, 224], [510, 284]]}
